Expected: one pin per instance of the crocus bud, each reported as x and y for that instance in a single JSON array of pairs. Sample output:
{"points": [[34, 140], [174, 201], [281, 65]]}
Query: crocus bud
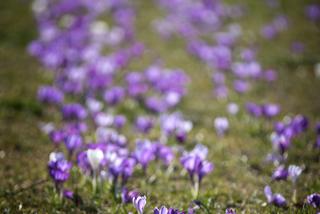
{"points": [[139, 203], [95, 157]]}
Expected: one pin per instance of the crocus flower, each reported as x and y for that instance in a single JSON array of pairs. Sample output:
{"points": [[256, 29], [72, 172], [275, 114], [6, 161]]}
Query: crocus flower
{"points": [[59, 169], [50, 95], [139, 203], [294, 172], [270, 75], [164, 153], [254, 109], [143, 124], [196, 165], [94, 105], [165, 210], [119, 121], [95, 156], [232, 108], [314, 200], [313, 12], [280, 173], [74, 111], [241, 86], [68, 194], [73, 142], [56, 136], [230, 211], [276, 199], [221, 125], [270, 110], [127, 196], [144, 152], [122, 166], [114, 95]]}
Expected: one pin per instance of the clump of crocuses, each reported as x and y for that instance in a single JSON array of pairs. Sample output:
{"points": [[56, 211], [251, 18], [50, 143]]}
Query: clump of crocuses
{"points": [[59, 170], [197, 166]]}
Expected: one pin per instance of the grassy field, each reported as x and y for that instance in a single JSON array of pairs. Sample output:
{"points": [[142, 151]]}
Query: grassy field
{"points": [[240, 172]]}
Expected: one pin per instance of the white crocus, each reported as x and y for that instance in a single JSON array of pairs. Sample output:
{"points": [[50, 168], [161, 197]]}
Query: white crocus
{"points": [[95, 157]]}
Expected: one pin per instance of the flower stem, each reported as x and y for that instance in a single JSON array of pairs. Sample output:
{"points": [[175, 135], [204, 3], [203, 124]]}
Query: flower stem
{"points": [[195, 191]]}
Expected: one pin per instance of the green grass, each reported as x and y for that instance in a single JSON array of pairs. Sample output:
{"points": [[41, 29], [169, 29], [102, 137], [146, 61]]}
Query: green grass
{"points": [[240, 173]]}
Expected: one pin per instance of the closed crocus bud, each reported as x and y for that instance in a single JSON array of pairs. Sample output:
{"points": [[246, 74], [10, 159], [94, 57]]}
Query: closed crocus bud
{"points": [[314, 200], [95, 156], [73, 142], [139, 203]]}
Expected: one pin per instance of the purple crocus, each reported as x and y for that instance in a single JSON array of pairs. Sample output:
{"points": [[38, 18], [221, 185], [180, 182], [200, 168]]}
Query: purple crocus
{"points": [[270, 110], [164, 153], [144, 124], [127, 196], [269, 32], [73, 142], [59, 169], [50, 95], [114, 95], [314, 200], [119, 121], [254, 109], [144, 153], [276, 199], [139, 203], [313, 12], [241, 86], [57, 136], [122, 167], [231, 211], [68, 194], [280, 173], [197, 166], [74, 111], [165, 210]]}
